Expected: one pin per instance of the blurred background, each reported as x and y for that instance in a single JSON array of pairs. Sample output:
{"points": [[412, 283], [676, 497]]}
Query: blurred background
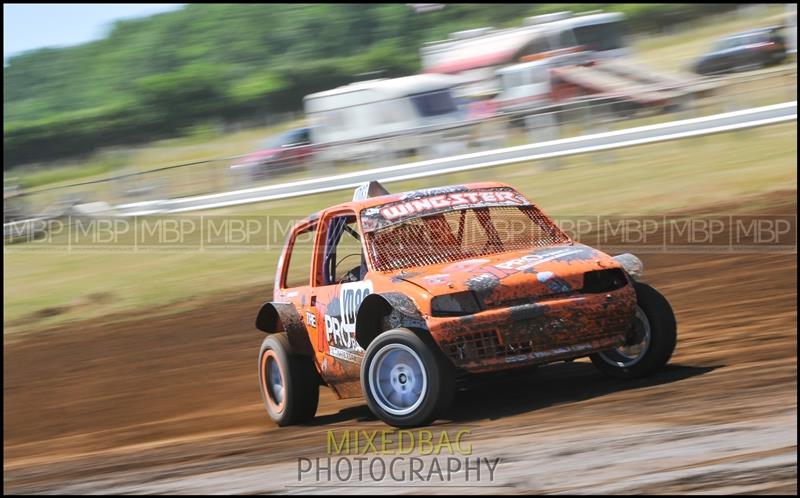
{"points": [[247, 95], [113, 111]]}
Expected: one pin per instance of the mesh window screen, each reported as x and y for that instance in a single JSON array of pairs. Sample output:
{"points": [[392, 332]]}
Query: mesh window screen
{"points": [[461, 234]]}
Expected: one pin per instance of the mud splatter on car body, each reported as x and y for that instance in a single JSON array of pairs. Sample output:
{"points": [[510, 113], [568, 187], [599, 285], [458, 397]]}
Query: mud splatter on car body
{"points": [[444, 263]]}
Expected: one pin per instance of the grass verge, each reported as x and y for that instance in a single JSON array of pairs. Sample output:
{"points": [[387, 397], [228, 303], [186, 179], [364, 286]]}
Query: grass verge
{"points": [[668, 52], [46, 288]]}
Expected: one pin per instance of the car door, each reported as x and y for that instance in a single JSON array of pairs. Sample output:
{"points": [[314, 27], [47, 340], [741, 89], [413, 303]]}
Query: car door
{"points": [[293, 277], [727, 55], [303, 149], [295, 148], [761, 49], [337, 292], [743, 52]]}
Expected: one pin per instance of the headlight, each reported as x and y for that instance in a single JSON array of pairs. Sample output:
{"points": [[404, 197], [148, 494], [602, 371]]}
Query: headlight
{"points": [[456, 304], [631, 264]]}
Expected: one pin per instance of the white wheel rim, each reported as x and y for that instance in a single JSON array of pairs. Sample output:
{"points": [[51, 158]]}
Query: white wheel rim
{"points": [[397, 379], [275, 386], [630, 354]]}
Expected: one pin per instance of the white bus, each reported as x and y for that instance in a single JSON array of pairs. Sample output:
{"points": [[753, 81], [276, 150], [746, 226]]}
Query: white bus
{"points": [[361, 116]]}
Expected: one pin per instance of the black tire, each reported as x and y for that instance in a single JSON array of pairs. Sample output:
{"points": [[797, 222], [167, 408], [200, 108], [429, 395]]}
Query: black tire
{"points": [[663, 336], [439, 389], [300, 381]]}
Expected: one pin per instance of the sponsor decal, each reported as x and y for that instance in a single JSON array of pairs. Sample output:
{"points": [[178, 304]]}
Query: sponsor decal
{"points": [[344, 354], [350, 295], [336, 335], [341, 332], [556, 284], [439, 278], [311, 319], [395, 211], [531, 260]]}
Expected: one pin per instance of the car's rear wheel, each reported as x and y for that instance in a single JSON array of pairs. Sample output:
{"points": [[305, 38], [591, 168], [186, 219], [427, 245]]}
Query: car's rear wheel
{"points": [[407, 381], [649, 342], [288, 382]]}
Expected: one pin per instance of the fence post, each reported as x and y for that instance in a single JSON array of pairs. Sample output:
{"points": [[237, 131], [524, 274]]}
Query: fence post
{"points": [[600, 117], [387, 151], [543, 127]]}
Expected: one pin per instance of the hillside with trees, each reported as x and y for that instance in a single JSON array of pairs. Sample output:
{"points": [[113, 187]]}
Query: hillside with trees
{"points": [[155, 77]]}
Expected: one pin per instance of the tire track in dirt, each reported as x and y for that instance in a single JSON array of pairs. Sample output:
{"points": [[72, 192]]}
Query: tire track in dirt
{"points": [[171, 404]]}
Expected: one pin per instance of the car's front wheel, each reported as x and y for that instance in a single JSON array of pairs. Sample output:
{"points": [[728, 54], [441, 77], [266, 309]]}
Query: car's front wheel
{"points": [[649, 342], [407, 381]]}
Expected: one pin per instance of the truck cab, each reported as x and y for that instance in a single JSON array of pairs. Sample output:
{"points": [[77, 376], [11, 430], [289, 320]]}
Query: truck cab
{"points": [[529, 85]]}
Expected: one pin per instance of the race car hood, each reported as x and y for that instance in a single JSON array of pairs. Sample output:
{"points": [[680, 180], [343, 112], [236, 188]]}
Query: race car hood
{"points": [[501, 279]]}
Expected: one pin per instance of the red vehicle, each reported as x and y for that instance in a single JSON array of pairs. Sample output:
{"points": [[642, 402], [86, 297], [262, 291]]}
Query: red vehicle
{"points": [[281, 153], [394, 296]]}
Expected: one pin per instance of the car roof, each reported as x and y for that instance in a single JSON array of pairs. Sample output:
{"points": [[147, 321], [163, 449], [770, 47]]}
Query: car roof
{"points": [[388, 88], [763, 29], [295, 130], [749, 32], [357, 206]]}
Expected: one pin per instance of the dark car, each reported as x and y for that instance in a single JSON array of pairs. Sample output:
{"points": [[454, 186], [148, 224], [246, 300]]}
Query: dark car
{"points": [[281, 153], [751, 49]]}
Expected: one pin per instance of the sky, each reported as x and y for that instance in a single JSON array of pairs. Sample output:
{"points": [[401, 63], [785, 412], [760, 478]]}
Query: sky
{"points": [[31, 26]]}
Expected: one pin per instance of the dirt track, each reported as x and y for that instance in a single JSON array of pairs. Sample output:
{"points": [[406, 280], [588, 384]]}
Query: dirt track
{"points": [[171, 404]]}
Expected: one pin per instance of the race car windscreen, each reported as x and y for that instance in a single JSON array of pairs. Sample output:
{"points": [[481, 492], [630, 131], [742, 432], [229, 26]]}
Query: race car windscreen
{"points": [[461, 234]]}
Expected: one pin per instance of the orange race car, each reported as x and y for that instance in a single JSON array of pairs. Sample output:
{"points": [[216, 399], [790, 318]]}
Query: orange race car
{"points": [[393, 296]]}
